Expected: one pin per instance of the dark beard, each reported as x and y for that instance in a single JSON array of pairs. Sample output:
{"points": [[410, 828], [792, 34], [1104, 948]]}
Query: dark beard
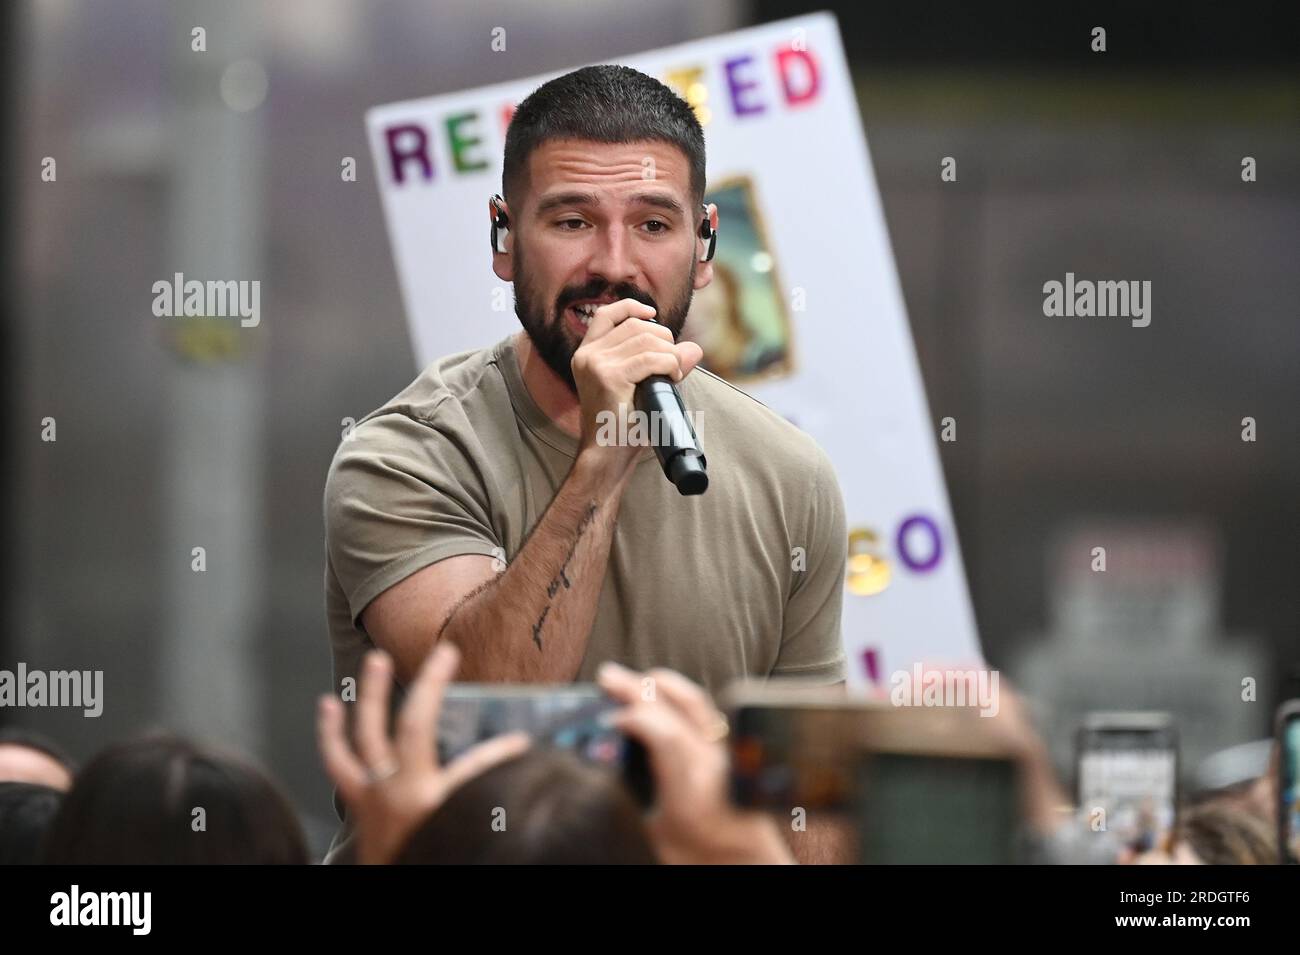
{"points": [[551, 337]]}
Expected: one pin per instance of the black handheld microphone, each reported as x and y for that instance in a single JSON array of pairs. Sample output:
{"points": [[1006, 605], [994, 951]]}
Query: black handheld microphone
{"points": [[675, 443]]}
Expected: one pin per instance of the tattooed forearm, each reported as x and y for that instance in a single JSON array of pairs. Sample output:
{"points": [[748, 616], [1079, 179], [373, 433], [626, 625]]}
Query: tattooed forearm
{"points": [[562, 578], [551, 585], [537, 627], [462, 602]]}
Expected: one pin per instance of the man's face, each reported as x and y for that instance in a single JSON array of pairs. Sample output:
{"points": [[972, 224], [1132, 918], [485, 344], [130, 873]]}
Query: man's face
{"points": [[601, 222]]}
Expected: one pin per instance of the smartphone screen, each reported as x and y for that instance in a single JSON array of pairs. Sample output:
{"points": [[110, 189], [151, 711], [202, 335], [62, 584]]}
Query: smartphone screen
{"points": [[918, 787], [563, 717], [1288, 788], [1128, 777], [920, 809], [783, 757]]}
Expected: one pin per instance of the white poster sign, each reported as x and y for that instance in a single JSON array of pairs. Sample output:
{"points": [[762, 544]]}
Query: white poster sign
{"points": [[804, 312]]}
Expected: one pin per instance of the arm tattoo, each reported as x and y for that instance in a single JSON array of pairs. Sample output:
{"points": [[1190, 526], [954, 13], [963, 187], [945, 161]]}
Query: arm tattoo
{"points": [[460, 603], [561, 578]]}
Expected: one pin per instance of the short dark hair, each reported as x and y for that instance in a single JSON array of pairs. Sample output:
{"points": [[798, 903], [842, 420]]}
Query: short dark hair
{"points": [[558, 811], [134, 802], [26, 811], [605, 104]]}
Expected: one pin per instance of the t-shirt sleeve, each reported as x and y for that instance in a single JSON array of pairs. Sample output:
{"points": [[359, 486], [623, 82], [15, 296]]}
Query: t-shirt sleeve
{"points": [[401, 495], [812, 647]]}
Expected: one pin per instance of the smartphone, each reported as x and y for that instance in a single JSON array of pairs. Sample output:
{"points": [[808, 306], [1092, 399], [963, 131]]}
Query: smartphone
{"points": [[923, 808], [920, 786], [567, 717], [1127, 770], [793, 749], [1288, 782]]}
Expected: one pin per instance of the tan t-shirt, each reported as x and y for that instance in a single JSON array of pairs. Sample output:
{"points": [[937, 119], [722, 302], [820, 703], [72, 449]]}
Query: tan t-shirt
{"points": [[745, 580]]}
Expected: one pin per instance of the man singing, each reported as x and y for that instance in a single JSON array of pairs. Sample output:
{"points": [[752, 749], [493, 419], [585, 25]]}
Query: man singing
{"points": [[484, 505]]}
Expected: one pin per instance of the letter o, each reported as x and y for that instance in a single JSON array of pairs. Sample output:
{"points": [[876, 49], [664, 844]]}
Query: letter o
{"points": [[930, 562]]}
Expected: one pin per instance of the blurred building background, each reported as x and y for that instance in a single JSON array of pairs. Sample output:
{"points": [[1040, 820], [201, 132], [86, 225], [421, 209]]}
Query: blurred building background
{"points": [[1071, 434]]}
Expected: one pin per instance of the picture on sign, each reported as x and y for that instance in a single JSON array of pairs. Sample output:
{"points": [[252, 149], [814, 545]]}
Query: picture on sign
{"points": [[740, 318]]}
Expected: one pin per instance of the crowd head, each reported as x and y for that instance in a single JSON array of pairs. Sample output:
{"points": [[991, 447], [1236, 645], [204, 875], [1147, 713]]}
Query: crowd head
{"points": [[166, 800]]}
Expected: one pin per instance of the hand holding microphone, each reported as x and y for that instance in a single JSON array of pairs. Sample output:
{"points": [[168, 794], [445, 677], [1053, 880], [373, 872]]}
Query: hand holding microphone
{"points": [[628, 360]]}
